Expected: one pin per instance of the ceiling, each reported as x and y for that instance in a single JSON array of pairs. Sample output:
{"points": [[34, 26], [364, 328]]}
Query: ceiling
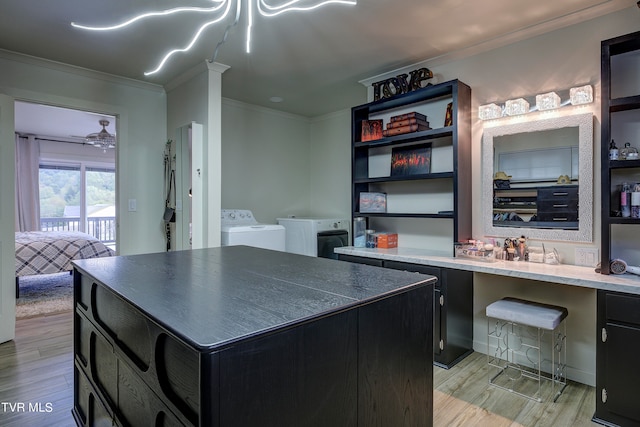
{"points": [[313, 60]]}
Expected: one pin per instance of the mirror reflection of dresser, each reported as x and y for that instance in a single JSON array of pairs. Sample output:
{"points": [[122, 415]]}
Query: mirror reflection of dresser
{"points": [[546, 190], [543, 206]]}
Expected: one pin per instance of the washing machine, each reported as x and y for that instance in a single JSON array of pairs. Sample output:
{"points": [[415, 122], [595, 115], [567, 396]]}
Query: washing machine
{"points": [[239, 227], [315, 236]]}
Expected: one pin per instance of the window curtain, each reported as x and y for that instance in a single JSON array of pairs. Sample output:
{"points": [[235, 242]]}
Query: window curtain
{"points": [[27, 193]]}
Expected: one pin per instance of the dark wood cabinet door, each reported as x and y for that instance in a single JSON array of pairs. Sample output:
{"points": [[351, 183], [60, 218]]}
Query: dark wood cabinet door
{"points": [[622, 384], [618, 346]]}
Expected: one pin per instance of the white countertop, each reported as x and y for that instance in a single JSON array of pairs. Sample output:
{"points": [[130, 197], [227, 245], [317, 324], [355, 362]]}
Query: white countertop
{"points": [[564, 274]]}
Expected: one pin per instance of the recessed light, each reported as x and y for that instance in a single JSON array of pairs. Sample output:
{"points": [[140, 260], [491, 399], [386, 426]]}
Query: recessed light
{"points": [[276, 99]]}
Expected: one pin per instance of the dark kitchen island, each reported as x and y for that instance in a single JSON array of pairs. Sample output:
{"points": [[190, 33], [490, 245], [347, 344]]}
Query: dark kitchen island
{"points": [[241, 336]]}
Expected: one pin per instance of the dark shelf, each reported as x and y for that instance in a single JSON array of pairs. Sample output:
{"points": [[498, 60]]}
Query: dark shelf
{"points": [[439, 175], [621, 220], [431, 92], [624, 164], [402, 215], [624, 104], [407, 138]]}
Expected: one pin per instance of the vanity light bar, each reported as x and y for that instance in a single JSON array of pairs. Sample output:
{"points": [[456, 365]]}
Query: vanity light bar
{"points": [[544, 102]]}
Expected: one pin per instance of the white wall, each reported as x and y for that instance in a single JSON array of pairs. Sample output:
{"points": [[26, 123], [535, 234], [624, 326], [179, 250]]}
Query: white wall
{"points": [[141, 112], [330, 171], [265, 161]]}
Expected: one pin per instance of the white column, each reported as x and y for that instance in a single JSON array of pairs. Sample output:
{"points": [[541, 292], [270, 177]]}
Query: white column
{"points": [[214, 154]]}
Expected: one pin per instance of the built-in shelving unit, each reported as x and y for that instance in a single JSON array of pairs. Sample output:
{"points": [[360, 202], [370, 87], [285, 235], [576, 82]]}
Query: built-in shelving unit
{"points": [[620, 122], [445, 192], [618, 319]]}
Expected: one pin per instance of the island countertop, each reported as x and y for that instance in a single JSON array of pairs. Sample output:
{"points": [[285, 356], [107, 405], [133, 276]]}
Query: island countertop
{"points": [[563, 273], [214, 297], [242, 336]]}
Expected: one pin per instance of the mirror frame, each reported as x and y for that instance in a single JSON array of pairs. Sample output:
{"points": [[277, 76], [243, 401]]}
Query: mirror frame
{"points": [[584, 122]]}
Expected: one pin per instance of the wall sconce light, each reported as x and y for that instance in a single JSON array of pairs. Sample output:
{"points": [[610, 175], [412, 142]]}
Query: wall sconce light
{"points": [[581, 95], [489, 112], [515, 107], [547, 101]]}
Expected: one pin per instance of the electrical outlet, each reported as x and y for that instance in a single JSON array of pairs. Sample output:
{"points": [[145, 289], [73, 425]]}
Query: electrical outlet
{"points": [[587, 256]]}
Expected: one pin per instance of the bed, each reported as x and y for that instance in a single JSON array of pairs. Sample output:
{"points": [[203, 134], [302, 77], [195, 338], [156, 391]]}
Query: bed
{"points": [[47, 252]]}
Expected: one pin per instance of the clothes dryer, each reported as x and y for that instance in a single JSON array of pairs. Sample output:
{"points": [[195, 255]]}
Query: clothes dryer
{"points": [[315, 236]]}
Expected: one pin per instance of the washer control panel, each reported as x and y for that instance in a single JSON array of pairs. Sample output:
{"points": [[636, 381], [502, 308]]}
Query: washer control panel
{"points": [[237, 217]]}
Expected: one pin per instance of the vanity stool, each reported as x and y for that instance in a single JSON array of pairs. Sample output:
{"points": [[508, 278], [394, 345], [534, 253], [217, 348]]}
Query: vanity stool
{"points": [[519, 333]]}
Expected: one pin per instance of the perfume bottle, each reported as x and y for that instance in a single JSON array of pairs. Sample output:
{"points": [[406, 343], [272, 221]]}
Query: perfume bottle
{"points": [[625, 200], [613, 151], [635, 201]]}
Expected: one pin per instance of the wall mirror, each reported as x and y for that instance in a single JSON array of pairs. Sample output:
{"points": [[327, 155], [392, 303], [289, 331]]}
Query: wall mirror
{"points": [[545, 190]]}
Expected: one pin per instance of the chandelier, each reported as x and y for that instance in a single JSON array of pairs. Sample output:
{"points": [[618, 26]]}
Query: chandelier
{"points": [[102, 139], [217, 13]]}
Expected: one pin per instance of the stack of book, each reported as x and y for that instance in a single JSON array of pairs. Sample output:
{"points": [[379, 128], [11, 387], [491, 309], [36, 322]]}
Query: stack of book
{"points": [[406, 123]]}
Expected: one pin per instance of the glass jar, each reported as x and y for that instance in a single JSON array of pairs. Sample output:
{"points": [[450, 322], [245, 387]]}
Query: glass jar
{"points": [[628, 152], [359, 238], [371, 238]]}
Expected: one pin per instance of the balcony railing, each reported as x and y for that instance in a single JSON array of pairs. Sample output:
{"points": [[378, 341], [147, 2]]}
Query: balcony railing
{"points": [[102, 228]]}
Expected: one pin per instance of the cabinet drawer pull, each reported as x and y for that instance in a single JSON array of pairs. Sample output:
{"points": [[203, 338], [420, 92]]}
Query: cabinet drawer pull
{"points": [[560, 194], [560, 206], [561, 219]]}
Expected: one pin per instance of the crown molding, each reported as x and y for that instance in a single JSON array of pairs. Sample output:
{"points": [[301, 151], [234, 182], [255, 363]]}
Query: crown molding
{"points": [[79, 71]]}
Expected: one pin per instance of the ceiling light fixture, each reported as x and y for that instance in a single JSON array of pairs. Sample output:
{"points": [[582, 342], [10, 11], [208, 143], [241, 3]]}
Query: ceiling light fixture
{"points": [[221, 10], [102, 139]]}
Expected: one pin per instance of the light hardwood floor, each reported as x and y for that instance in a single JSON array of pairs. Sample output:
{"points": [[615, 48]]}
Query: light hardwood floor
{"points": [[462, 397], [37, 368]]}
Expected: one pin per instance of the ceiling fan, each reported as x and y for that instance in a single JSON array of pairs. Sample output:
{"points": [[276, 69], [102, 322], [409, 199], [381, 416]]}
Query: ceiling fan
{"points": [[102, 139]]}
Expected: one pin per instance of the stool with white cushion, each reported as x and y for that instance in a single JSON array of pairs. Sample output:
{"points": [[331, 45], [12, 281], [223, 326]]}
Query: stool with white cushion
{"points": [[516, 342]]}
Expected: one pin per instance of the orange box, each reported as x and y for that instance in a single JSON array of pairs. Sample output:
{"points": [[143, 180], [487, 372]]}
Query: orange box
{"points": [[387, 240]]}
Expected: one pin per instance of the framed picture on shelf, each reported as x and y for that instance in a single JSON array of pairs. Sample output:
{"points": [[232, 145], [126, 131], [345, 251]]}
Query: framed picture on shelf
{"points": [[411, 160], [371, 130]]}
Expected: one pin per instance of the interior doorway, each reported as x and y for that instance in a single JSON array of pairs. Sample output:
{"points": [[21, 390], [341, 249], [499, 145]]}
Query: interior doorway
{"points": [[76, 182]]}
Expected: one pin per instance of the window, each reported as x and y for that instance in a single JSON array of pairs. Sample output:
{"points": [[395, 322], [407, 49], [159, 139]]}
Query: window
{"points": [[78, 198]]}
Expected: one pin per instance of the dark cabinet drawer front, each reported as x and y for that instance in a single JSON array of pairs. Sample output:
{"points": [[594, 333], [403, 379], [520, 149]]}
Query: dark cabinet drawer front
{"points": [[103, 367], [137, 404], [178, 373], [127, 327], [88, 409], [558, 206], [623, 308], [557, 216], [557, 193], [360, 260], [416, 268]]}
